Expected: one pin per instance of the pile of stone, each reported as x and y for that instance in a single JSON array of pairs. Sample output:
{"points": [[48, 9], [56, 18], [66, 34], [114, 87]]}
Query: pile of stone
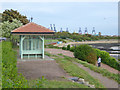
{"points": [[81, 81]]}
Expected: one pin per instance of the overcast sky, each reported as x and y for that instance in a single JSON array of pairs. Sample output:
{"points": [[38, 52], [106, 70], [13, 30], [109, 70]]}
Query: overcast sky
{"points": [[101, 15]]}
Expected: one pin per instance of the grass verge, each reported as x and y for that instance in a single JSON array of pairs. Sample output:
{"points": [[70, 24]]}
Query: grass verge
{"points": [[43, 83]]}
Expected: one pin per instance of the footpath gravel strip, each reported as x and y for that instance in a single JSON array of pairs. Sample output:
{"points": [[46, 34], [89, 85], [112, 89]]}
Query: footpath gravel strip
{"points": [[108, 83]]}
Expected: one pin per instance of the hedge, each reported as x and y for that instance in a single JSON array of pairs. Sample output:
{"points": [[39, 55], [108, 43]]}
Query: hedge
{"points": [[68, 47], [107, 59], [85, 53]]}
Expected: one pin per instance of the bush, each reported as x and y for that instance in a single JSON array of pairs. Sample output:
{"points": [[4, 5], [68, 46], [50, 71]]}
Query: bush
{"points": [[72, 49], [64, 48], [68, 47], [107, 59], [85, 53]]}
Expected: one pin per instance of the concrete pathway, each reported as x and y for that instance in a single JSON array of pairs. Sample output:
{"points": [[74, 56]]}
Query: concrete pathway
{"points": [[34, 69]]}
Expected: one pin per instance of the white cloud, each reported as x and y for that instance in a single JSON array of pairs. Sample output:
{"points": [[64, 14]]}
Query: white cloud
{"points": [[59, 0]]}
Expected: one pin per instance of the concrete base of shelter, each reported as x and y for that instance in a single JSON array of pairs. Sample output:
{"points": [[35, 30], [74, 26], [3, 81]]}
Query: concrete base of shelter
{"points": [[34, 59]]}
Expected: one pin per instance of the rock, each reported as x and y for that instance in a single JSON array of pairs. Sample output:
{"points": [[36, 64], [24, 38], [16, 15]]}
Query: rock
{"points": [[74, 78], [73, 81], [81, 80]]}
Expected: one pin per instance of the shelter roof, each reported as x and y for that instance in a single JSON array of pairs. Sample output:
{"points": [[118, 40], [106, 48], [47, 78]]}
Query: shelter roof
{"points": [[32, 28]]}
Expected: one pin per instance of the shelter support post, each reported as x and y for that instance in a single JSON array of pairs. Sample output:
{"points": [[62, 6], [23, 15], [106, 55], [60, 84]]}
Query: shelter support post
{"points": [[21, 45], [43, 48]]}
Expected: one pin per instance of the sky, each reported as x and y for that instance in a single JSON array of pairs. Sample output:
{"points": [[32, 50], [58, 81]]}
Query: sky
{"points": [[70, 14]]}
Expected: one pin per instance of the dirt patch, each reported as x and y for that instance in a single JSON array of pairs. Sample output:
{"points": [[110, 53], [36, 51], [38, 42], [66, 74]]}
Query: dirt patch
{"points": [[36, 69]]}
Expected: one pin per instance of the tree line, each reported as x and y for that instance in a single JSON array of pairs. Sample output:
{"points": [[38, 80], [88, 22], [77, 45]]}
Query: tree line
{"points": [[12, 19]]}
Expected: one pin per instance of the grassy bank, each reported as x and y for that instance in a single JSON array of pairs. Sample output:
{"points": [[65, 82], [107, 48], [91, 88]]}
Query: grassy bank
{"points": [[10, 77], [75, 71], [102, 71]]}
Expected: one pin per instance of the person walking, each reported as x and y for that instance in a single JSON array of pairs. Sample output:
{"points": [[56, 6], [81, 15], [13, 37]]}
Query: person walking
{"points": [[99, 61]]}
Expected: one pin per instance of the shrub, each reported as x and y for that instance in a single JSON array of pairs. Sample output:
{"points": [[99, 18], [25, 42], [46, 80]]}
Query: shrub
{"points": [[68, 47], [118, 59], [85, 53], [107, 59], [64, 48], [72, 49]]}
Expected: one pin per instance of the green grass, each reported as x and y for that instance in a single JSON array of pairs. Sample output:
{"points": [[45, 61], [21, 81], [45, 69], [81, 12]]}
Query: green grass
{"points": [[50, 40], [54, 84], [62, 84], [50, 55], [102, 71], [74, 70]]}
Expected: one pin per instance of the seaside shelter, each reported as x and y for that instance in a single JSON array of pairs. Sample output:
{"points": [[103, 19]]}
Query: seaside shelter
{"points": [[31, 42]]}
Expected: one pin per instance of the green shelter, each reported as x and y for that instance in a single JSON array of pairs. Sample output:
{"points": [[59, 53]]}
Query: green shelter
{"points": [[32, 40]]}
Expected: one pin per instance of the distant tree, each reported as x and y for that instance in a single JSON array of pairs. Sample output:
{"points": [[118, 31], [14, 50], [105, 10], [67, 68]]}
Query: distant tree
{"points": [[9, 15], [62, 35], [6, 28]]}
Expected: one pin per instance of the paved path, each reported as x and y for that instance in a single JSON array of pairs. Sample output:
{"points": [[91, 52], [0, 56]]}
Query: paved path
{"points": [[70, 54], [38, 68]]}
